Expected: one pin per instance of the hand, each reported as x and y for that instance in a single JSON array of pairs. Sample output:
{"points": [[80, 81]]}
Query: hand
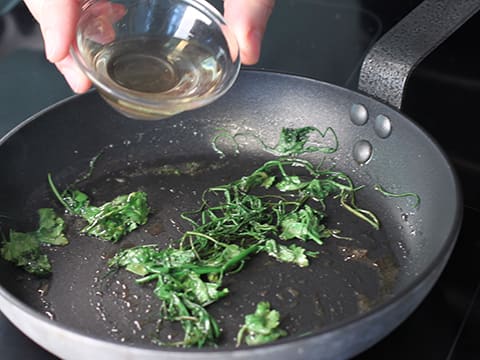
{"points": [[248, 20], [57, 19]]}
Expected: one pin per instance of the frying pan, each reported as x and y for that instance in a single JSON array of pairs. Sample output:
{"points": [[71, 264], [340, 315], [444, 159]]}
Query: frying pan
{"points": [[350, 297]]}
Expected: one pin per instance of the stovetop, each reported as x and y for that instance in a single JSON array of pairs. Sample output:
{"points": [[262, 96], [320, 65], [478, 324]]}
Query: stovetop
{"points": [[323, 39]]}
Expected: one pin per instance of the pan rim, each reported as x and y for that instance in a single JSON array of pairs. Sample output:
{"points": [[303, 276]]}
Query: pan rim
{"points": [[436, 266]]}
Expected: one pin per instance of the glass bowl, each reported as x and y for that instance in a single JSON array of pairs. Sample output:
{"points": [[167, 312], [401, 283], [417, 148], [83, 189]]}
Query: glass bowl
{"points": [[151, 59]]}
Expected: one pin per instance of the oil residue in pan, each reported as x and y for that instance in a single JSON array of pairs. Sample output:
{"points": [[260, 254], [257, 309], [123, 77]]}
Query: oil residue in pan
{"points": [[347, 278]]}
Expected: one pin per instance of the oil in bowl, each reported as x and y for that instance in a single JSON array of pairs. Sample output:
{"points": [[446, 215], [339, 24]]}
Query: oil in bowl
{"points": [[182, 56]]}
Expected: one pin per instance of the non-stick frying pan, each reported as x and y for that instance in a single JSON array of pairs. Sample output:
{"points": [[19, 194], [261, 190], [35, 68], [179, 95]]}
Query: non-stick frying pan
{"points": [[350, 297]]}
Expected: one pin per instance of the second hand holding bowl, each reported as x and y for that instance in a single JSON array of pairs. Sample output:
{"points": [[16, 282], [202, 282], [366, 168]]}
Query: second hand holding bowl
{"points": [[153, 59]]}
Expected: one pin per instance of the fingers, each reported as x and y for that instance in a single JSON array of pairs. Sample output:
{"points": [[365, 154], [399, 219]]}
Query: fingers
{"points": [[248, 20], [77, 80], [57, 19]]}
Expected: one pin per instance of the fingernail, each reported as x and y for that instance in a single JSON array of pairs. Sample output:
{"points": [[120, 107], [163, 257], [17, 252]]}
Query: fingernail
{"points": [[51, 44]]}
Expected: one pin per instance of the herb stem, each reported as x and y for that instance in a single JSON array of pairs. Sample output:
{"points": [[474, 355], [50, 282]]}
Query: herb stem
{"points": [[57, 194], [386, 193]]}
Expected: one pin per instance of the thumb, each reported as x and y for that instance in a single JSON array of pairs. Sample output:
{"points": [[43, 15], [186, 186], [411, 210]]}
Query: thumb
{"points": [[248, 20]]}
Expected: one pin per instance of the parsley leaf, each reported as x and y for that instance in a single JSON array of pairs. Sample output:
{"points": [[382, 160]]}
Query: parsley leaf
{"points": [[24, 249], [110, 221], [261, 327]]}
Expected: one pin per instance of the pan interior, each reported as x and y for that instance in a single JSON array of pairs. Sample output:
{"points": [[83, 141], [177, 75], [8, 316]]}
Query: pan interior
{"points": [[348, 277], [173, 161]]}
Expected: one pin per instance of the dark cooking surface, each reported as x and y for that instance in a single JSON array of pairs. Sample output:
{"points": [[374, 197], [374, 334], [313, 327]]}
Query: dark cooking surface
{"points": [[327, 41]]}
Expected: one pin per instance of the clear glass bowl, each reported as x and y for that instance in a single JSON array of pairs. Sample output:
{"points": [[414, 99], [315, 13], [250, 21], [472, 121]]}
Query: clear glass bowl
{"points": [[151, 59]]}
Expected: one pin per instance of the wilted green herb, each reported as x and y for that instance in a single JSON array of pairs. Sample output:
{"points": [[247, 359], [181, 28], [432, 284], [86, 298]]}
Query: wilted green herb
{"points": [[292, 141], [386, 193], [24, 249], [295, 141], [282, 200], [110, 221], [183, 286], [261, 327], [289, 254]]}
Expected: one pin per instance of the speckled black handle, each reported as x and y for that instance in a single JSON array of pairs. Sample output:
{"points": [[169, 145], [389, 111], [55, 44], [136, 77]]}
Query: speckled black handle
{"points": [[391, 60]]}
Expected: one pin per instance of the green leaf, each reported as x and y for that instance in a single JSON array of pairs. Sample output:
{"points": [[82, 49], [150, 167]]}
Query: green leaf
{"points": [[144, 260], [291, 183], [258, 178], [113, 219], [202, 292], [39, 265], [304, 224], [181, 305], [293, 141], [289, 254], [319, 189], [262, 326], [24, 249], [51, 228], [21, 247]]}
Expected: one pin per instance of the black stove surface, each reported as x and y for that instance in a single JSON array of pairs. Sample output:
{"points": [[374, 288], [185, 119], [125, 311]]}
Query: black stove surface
{"points": [[325, 40]]}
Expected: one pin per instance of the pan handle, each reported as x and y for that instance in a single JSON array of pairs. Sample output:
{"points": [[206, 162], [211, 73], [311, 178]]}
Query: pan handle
{"points": [[388, 64]]}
